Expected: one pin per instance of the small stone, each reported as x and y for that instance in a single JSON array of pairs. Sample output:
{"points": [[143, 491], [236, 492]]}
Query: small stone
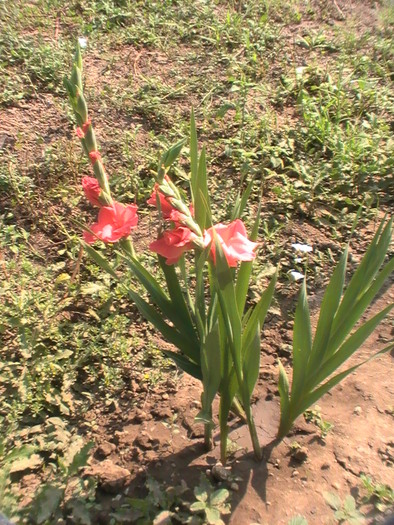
{"points": [[277, 463], [294, 473], [336, 485], [165, 396], [325, 466], [357, 410], [234, 487]]}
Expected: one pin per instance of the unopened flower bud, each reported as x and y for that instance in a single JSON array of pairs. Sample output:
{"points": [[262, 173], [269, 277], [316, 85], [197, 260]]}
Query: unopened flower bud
{"points": [[94, 156]]}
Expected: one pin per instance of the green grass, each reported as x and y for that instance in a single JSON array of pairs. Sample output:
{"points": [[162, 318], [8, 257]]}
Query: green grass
{"points": [[309, 116]]}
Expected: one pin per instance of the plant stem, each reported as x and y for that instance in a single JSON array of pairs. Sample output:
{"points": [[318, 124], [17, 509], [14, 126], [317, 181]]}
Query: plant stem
{"points": [[208, 441], [253, 435]]}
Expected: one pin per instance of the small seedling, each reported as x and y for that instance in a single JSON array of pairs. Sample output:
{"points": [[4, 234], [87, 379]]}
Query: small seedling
{"points": [[298, 520], [381, 495], [211, 503], [313, 415], [346, 511]]}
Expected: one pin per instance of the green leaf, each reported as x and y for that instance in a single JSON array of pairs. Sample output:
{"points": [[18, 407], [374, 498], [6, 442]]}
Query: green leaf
{"points": [[175, 310], [302, 343], [242, 200], [184, 364], [213, 516], [298, 520], [349, 504], [210, 366], [351, 345], [315, 395], [99, 259], [283, 387], [25, 451], [245, 270], [197, 506], [202, 208], [333, 500], [353, 303], [168, 158], [251, 362], [328, 310], [180, 312], [345, 321], [257, 316], [46, 503], [168, 332], [219, 497], [80, 459], [198, 180], [193, 156]]}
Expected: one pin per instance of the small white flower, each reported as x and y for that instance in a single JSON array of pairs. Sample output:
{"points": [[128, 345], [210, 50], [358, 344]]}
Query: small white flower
{"points": [[296, 276], [83, 42], [305, 248]]}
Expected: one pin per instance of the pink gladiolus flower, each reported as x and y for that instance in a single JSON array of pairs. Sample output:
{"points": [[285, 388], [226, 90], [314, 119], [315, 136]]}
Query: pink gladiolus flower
{"points": [[168, 211], [113, 223], [81, 132], [92, 190], [233, 240], [173, 244], [165, 205], [94, 156], [86, 125]]}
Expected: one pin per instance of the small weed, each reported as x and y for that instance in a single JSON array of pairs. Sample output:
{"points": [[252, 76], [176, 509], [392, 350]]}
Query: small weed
{"points": [[346, 511], [170, 504], [313, 415], [381, 495], [298, 520]]}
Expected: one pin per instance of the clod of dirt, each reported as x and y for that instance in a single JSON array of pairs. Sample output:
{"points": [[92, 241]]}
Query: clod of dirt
{"points": [[220, 473], [111, 477], [105, 449], [162, 412], [145, 442], [141, 415], [299, 454], [386, 453]]}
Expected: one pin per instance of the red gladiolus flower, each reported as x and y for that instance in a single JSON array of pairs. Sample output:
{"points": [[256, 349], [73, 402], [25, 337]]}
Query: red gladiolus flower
{"points": [[113, 223], [94, 156], [80, 133], [173, 244], [233, 240], [92, 190]]}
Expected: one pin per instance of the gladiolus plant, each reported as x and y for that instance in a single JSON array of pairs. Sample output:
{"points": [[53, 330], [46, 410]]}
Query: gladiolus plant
{"points": [[202, 308]]}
